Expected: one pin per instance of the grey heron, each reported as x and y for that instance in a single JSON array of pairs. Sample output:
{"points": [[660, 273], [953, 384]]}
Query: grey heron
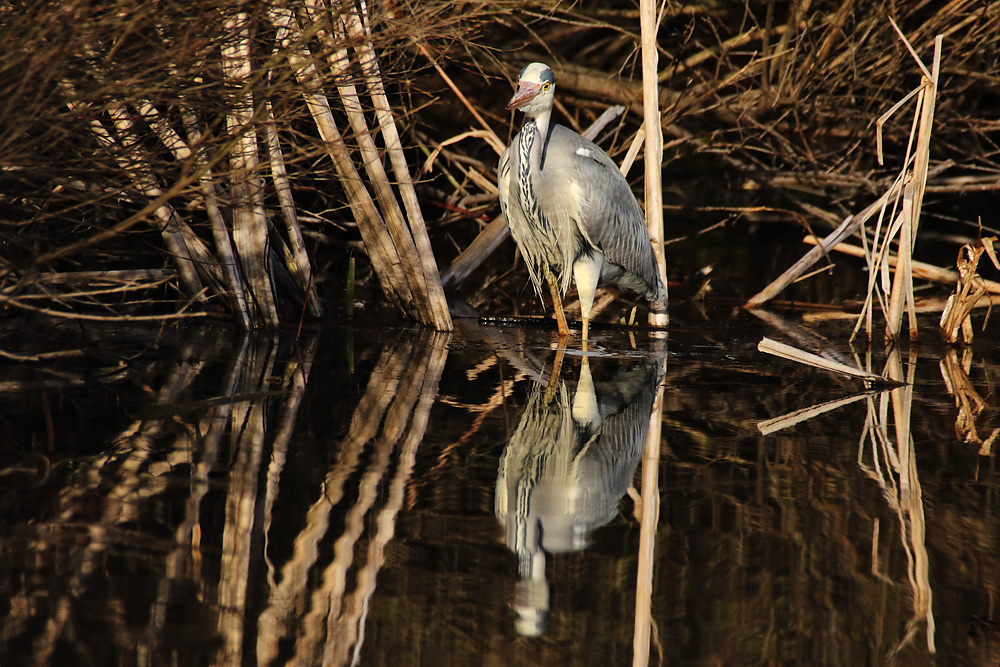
{"points": [[570, 210]]}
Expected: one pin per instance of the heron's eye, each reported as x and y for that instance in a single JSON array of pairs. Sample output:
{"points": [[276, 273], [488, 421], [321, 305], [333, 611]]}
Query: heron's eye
{"points": [[546, 86]]}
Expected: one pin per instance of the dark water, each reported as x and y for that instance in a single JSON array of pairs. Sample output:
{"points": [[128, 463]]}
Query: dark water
{"points": [[395, 497]]}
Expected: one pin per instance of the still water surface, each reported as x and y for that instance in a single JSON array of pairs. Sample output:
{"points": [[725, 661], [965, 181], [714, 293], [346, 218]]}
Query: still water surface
{"points": [[395, 497]]}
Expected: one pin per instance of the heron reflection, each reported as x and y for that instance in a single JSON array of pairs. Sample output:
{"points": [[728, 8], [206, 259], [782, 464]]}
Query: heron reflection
{"points": [[566, 468]]}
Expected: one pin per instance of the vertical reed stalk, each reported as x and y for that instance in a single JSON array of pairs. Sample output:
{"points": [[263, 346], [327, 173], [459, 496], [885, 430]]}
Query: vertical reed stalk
{"points": [[374, 231], [249, 220], [654, 148], [357, 28], [220, 231]]}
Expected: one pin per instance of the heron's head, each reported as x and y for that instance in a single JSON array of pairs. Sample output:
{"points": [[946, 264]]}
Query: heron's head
{"points": [[535, 87]]}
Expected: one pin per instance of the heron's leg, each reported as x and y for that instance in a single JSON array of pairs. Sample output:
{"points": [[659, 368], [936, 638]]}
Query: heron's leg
{"points": [[586, 273], [557, 305]]}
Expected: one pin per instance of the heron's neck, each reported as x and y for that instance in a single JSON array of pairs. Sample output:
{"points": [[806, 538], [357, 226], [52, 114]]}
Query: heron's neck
{"points": [[541, 138]]}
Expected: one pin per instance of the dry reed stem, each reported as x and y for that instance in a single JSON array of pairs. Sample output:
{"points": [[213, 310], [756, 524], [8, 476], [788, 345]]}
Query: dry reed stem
{"points": [[391, 212], [300, 266], [489, 137], [430, 305], [921, 270], [383, 255], [169, 222], [437, 314], [956, 323], [220, 231], [848, 227], [654, 151], [247, 187], [462, 98], [901, 295], [111, 277]]}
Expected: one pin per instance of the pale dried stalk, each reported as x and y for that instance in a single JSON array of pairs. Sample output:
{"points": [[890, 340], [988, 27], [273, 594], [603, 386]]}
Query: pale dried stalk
{"points": [[220, 231], [383, 255], [649, 23], [913, 195], [769, 346], [300, 266], [391, 212], [355, 22], [110, 277], [955, 325], [249, 220], [170, 224], [850, 225], [921, 270]]}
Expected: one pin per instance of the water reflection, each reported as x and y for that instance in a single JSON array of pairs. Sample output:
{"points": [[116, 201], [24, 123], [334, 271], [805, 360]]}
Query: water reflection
{"points": [[154, 547], [566, 467], [197, 498]]}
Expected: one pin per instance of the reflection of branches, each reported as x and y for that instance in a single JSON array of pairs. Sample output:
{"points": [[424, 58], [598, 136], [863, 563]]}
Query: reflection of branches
{"points": [[107, 505]]}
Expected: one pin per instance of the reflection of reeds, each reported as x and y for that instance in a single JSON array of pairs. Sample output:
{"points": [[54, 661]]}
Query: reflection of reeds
{"points": [[956, 325], [648, 524], [390, 421], [893, 465]]}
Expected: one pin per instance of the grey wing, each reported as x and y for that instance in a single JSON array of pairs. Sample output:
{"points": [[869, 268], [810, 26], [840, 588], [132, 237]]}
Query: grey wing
{"points": [[609, 215]]}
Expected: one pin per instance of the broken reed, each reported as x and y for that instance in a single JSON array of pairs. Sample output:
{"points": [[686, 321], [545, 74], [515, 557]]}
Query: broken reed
{"points": [[890, 279], [904, 225]]}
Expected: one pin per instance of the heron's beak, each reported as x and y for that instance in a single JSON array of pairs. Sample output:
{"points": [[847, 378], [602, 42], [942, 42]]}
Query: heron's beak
{"points": [[526, 92]]}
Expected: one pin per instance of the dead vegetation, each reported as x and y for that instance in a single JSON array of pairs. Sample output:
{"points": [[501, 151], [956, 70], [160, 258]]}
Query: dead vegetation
{"points": [[168, 160]]}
